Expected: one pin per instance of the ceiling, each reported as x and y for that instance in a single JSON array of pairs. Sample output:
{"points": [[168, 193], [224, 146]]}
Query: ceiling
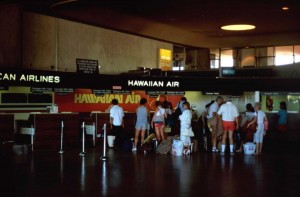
{"points": [[186, 22]]}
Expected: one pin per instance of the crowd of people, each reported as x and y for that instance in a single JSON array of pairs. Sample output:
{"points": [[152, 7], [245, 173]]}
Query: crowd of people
{"points": [[221, 118]]}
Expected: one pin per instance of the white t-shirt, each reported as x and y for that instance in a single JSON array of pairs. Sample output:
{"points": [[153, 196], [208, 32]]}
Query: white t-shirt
{"points": [[168, 111], [116, 112], [185, 119], [228, 111], [212, 108], [159, 115], [260, 115]]}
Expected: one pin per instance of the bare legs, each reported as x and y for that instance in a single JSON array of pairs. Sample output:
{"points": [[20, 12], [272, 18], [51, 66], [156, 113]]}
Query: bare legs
{"points": [[258, 148], [224, 138], [159, 131], [136, 137], [214, 137]]}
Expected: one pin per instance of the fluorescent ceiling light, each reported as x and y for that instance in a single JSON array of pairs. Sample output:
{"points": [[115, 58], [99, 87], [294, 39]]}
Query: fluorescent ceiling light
{"points": [[238, 27]]}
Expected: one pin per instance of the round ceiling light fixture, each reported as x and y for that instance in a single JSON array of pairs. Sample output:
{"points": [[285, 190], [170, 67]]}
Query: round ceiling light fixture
{"points": [[238, 27], [285, 8]]}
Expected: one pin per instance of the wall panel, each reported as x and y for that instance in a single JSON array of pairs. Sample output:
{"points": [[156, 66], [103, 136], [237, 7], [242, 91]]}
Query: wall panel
{"points": [[116, 52]]}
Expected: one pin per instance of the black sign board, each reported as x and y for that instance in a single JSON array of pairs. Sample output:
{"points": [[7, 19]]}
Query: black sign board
{"points": [[154, 94], [228, 71], [121, 92], [40, 90], [86, 66], [101, 92], [4, 88], [175, 93], [63, 91]]}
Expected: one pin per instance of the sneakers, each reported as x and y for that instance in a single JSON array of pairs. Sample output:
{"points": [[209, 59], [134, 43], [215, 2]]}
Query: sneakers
{"points": [[134, 149], [186, 152]]}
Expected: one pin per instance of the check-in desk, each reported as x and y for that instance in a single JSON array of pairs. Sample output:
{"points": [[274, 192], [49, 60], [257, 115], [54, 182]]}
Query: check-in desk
{"points": [[6, 127], [100, 119], [48, 128]]}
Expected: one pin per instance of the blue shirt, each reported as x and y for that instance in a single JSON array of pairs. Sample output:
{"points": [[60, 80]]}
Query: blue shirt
{"points": [[282, 117], [142, 115]]}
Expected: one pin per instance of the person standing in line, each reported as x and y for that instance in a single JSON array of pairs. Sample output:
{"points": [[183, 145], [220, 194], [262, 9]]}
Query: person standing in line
{"points": [[158, 121], [186, 127], [142, 117], [259, 118], [230, 115], [247, 117], [180, 104], [282, 124], [117, 121], [169, 119], [212, 121]]}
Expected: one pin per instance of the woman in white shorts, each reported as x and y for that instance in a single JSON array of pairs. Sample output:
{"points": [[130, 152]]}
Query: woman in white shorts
{"points": [[259, 118]]}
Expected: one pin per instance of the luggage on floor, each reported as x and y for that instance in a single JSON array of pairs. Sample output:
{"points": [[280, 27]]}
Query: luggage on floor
{"points": [[164, 147], [148, 145], [177, 147], [249, 148]]}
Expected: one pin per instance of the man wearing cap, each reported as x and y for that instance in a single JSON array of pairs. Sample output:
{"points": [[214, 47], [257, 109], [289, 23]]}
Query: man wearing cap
{"points": [[212, 121], [229, 114]]}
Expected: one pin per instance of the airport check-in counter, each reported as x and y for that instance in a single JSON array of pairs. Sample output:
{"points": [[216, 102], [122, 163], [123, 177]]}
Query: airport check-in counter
{"points": [[43, 130]]}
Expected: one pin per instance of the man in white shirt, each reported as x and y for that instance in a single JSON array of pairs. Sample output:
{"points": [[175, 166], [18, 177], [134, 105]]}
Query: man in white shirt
{"points": [[212, 121], [229, 114], [116, 121]]}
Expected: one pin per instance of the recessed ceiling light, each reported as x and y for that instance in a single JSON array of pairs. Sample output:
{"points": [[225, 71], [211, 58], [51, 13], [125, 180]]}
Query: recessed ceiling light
{"points": [[238, 27], [285, 8]]}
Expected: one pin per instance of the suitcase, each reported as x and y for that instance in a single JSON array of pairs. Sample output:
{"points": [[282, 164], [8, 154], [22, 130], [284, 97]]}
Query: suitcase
{"points": [[147, 145], [164, 147]]}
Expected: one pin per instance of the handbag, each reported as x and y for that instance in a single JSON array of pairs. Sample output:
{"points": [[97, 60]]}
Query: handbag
{"points": [[167, 129]]}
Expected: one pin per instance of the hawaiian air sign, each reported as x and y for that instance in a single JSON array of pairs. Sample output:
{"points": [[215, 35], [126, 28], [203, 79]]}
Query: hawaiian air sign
{"points": [[150, 83]]}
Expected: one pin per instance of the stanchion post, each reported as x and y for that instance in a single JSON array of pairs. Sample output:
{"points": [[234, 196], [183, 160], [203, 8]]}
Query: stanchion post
{"points": [[61, 151], [32, 134], [83, 141], [104, 157]]}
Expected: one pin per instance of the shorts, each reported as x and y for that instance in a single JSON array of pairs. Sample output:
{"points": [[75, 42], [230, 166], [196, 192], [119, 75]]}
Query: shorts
{"points": [[259, 134], [141, 126], [159, 124], [228, 125]]}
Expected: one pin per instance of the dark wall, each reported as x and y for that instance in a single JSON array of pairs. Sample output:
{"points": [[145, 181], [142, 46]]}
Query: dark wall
{"points": [[10, 35]]}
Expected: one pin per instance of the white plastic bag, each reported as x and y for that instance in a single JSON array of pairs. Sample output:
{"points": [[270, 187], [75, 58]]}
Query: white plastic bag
{"points": [[177, 148], [249, 148]]}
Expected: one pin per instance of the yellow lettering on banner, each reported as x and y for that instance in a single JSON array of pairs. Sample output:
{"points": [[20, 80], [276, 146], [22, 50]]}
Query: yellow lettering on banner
{"points": [[77, 98], [93, 99], [119, 97], [100, 99], [137, 98], [129, 99]]}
